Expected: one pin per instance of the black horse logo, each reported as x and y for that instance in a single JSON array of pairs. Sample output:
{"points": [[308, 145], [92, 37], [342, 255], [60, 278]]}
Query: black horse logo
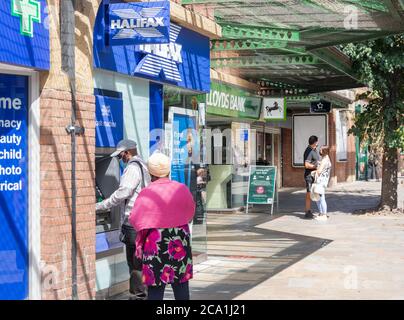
{"points": [[275, 107]]}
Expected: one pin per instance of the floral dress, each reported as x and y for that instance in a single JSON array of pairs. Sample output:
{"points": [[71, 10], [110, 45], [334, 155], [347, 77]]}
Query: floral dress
{"points": [[167, 256]]}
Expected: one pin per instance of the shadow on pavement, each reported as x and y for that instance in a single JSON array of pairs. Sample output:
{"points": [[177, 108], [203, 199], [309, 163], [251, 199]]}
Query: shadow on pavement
{"points": [[248, 256]]}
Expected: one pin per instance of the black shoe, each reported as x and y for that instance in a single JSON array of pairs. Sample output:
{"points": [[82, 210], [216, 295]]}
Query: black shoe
{"points": [[309, 215]]}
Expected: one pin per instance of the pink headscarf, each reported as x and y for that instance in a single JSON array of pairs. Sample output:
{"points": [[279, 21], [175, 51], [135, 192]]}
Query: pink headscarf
{"points": [[163, 204]]}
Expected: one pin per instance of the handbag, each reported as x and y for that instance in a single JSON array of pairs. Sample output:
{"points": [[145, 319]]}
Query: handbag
{"points": [[314, 196]]}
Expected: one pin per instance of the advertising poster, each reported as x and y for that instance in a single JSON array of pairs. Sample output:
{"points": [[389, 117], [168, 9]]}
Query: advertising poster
{"points": [[185, 157], [13, 187], [262, 184], [304, 126], [185, 149]]}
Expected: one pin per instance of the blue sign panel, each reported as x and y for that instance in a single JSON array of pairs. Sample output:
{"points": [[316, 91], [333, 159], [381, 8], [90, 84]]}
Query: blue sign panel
{"points": [[108, 121], [244, 135], [185, 150], [13, 187], [138, 23], [184, 62], [24, 29]]}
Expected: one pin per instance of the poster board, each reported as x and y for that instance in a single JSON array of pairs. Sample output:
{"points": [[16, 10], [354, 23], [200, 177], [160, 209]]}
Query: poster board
{"points": [[262, 186], [304, 126], [185, 147]]}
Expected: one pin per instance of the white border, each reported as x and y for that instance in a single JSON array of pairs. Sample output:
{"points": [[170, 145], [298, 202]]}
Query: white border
{"points": [[34, 176], [293, 129]]}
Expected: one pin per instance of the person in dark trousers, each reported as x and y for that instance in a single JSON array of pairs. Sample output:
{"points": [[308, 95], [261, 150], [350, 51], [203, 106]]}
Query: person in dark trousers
{"points": [[161, 216], [135, 177], [373, 163], [311, 160]]}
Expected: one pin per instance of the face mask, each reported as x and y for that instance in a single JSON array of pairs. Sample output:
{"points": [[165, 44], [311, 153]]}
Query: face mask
{"points": [[122, 164]]}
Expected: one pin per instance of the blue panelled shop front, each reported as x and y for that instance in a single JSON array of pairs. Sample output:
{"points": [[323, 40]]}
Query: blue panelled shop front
{"points": [[155, 83], [24, 50], [13, 186]]}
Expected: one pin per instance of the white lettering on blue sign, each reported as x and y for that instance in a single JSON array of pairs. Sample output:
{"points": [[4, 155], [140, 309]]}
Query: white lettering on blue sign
{"points": [[170, 51], [137, 23], [132, 23], [162, 57], [8, 103]]}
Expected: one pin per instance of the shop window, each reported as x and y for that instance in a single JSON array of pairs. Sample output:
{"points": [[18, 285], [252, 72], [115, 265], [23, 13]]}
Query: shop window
{"points": [[341, 133]]}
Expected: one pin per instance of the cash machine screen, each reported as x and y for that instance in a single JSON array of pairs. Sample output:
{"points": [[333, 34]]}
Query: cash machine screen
{"points": [[107, 175]]}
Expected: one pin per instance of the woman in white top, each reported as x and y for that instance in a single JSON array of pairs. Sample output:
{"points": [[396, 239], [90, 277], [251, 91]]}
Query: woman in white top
{"points": [[322, 176]]}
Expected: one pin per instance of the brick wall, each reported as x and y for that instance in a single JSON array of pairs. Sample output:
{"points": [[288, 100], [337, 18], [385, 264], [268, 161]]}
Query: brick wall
{"points": [[55, 162], [342, 171], [56, 209], [292, 177]]}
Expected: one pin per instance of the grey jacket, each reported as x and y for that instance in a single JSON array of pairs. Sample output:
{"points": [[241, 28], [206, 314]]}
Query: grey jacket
{"points": [[129, 188]]}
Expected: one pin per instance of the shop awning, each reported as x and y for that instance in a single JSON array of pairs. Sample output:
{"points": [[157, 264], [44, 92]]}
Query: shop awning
{"points": [[291, 46]]}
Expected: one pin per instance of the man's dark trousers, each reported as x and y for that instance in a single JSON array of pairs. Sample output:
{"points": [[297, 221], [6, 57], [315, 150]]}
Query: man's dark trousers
{"points": [[136, 287]]}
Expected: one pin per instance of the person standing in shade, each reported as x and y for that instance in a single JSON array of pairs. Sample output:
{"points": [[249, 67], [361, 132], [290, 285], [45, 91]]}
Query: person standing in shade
{"points": [[373, 163], [322, 176], [135, 177], [311, 160], [161, 217]]}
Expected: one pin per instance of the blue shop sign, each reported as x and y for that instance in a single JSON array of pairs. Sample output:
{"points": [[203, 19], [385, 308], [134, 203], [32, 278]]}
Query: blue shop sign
{"points": [[184, 62], [108, 121], [24, 27], [13, 187], [138, 23]]}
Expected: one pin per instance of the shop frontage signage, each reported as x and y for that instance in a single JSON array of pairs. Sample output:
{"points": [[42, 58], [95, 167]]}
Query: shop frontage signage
{"points": [[108, 121], [274, 109], [228, 101], [261, 185], [321, 106], [13, 187], [138, 23], [183, 62], [25, 33], [162, 60]]}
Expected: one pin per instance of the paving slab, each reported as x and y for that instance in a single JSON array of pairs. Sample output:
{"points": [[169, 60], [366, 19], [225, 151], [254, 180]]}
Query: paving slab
{"points": [[259, 256]]}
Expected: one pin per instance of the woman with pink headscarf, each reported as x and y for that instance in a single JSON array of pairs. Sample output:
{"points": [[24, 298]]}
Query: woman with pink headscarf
{"points": [[160, 216]]}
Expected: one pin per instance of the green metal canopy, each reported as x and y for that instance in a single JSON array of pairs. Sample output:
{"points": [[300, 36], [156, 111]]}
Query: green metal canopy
{"points": [[294, 43]]}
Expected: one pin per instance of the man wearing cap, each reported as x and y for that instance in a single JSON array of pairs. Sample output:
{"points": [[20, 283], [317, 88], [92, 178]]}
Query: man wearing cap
{"points": [[134, 178]]}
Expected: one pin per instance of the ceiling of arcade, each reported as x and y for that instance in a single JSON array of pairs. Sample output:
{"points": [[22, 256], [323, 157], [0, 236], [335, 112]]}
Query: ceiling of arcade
{"points": [[291, 46]]}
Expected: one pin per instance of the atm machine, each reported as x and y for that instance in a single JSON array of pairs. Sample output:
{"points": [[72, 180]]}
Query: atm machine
{"points": [[107, 176]]}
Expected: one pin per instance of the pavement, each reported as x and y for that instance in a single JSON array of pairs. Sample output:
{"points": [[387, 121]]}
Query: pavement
{"points": [[283, 256]]}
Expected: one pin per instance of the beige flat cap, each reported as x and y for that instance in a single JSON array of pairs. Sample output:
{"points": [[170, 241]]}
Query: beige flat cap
{"points": [[159, 165]]}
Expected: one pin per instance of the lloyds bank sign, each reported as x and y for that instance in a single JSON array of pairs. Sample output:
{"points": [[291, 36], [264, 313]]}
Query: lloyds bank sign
{"points": [[229, 101]]}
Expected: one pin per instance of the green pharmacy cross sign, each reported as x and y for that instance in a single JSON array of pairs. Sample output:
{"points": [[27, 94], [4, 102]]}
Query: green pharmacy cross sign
{"points": [[28, 11]]}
